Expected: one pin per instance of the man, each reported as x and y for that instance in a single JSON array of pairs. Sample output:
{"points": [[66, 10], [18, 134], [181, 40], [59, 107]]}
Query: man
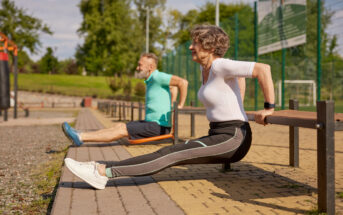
{"points": [[157, 108]]}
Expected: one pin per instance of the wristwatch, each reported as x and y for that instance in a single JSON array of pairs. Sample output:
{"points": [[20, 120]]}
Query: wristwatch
{"points": [[267, 105]]}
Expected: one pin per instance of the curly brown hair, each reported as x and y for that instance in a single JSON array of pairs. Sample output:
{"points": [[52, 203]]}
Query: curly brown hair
{"points": [[211, 37]]}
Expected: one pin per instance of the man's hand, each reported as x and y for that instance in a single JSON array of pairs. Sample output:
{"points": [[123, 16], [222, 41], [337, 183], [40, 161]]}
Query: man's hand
{"points": [[260, 116]]}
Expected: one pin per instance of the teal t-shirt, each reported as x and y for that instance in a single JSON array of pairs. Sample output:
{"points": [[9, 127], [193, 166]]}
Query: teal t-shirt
{"points": [[157, 98]]}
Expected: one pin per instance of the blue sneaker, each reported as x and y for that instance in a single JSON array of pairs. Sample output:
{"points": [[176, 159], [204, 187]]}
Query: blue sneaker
{"points": [[72, 134]]}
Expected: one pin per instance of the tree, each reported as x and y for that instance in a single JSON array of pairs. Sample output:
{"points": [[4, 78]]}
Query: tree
{"points": [[21, 28], [112, 37], [155, 21], [49, 63]]}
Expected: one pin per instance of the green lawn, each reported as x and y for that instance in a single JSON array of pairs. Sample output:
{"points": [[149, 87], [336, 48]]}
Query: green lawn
{"points": [[73, 85]]}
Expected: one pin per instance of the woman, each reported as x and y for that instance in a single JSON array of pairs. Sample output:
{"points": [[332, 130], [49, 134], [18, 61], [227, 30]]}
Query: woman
{"points": [[229, 137]]}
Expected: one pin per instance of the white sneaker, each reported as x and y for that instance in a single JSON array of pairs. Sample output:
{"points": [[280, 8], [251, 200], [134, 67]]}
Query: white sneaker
{"points": [[88, 172]]}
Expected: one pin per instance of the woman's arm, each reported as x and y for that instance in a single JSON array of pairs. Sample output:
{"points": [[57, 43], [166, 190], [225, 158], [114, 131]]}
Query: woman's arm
{"points": [[241, 84], [263, 74]]}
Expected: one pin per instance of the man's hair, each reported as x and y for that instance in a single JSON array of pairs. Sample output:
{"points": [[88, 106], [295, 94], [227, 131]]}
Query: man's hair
{"points": [[211, 37], [150, 56]]}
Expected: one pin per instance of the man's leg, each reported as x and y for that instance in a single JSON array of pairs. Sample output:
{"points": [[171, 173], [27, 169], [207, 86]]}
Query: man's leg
{"points": [[106, 135]]}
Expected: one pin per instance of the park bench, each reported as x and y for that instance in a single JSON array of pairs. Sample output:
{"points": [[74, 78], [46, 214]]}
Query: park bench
{"points": [[324, 120]]}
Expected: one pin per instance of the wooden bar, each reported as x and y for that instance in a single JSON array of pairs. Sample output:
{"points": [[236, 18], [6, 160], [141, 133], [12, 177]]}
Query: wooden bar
{"points": [[326, 157], [293, 138]]}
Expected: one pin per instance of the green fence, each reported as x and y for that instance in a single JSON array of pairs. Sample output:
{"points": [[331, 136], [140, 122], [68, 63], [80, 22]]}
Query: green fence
{"points": [[300, 64]]}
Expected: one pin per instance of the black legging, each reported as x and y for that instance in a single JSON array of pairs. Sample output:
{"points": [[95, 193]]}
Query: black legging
{"points": [[226, 141]]}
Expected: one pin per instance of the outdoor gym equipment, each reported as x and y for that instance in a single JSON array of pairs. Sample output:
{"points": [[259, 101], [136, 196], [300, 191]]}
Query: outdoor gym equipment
{"points": [[6, 46]]}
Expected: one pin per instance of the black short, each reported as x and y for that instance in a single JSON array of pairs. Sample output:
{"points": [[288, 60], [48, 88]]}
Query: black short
{"points": [[142, 129]]}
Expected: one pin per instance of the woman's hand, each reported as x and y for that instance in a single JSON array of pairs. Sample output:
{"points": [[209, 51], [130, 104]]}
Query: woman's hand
{"points": [[260, 116]]}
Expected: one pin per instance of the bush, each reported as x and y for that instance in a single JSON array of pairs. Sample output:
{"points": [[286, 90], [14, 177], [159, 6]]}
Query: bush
{"points": [[140, 89], [128, 88], [115, 84]]}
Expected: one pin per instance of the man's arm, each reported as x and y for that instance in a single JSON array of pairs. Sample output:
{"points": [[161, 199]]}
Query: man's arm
{"points": [[182, 85], [264, 76], [173, 92]]}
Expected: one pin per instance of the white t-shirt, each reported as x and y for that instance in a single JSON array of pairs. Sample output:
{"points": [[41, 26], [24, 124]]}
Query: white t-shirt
{"points": [[221, 94]]}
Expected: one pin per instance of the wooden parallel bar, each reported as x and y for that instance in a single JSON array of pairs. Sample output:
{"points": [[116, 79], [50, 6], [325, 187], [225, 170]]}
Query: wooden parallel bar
{"points": [[326, 157], [293, 138]]}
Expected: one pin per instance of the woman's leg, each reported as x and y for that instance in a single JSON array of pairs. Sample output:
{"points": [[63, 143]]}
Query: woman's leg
{"points": [[207, 149]]}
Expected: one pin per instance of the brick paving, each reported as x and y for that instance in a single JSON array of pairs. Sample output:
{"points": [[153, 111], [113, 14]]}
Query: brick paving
{"points": [[139, 195], [262, 183]]}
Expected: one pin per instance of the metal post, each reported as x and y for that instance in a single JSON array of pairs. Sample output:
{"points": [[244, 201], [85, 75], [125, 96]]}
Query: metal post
{"points": [[326, 156], [236, 36], [283, 78], [319, 57], [124, 110], [293, 138], [119, 111], [195, 72], [131, 111], [140, 111], [187, 66], [217, 12], [226, 166], [115, 109], [176, 122], [15, 86], [5, 115], [256, 53], [192, 121], [147, 30]]}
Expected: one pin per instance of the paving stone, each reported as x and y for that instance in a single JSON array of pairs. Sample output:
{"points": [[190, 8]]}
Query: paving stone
{"points": [[141, 195]]}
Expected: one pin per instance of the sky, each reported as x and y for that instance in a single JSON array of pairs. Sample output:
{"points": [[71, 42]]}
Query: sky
{"points": [[64, 18]]}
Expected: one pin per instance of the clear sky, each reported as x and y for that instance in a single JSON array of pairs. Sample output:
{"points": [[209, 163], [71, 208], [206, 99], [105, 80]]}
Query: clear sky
{"points": [[64, 18]]}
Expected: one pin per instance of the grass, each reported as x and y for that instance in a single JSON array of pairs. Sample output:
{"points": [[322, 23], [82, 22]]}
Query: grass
{"points": [[46, 180], [314, 212], [340, 195], [71, 85]]}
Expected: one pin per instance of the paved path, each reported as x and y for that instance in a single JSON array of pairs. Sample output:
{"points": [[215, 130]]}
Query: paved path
{"points": [[138, 195], [262, 183]]}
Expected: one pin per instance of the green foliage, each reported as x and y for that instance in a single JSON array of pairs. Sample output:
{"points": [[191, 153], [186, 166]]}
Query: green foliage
{"points": [[21, 28], [301, 61], [46, 179], [127, 88], [49, 63], [155, 22], [115, 84], [140, 89], [68, 66], [72, 85]]}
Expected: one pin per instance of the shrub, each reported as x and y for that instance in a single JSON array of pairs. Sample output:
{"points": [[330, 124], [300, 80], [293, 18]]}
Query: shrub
{"points": [[128, 88], [115, 84], [140, 89]]}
